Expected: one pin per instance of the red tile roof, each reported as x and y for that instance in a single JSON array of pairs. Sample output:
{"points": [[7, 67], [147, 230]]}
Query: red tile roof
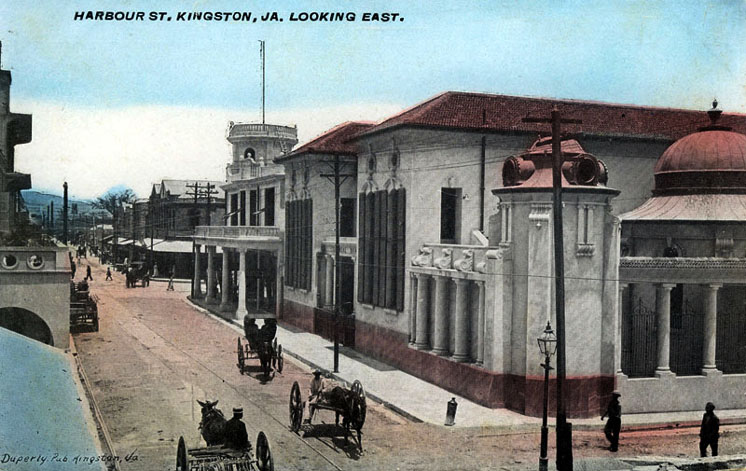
{"points": [[486, 112], [333, 141]]}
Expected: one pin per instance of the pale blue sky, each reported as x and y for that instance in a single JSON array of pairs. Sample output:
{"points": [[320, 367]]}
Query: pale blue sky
{"points": [[678, 54]]}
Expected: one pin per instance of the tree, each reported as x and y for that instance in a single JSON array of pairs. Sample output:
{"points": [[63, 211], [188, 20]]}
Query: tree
{"points": [[112, 201]]}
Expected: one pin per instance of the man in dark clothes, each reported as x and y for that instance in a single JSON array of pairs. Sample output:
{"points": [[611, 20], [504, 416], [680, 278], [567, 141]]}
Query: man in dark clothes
{"points": [[108, 274], [709, 432], [88, 273], [235, 432], [614, 424], [251, 330]]}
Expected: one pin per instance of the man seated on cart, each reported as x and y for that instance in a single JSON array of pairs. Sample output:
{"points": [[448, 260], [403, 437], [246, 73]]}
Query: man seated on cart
{"points": [[251, 330], [235, 432], [322, 391]]}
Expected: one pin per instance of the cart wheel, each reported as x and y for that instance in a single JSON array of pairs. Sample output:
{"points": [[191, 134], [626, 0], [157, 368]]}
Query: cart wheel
{"points": [[359, 409], [241, 357], [296, 408], [264, 461], [280, 360], [182, 461]]}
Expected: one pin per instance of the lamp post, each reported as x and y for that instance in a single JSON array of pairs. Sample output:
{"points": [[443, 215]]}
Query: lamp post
{"points": [[547, 345]]}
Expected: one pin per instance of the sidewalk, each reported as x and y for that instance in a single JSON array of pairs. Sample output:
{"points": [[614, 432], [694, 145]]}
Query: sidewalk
{"points": [[421, 401]]}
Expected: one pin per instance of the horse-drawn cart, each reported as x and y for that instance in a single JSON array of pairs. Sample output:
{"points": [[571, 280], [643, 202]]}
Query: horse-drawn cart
{"points": [[218, 457], [262, 344], [83, 308], [348, 403]]}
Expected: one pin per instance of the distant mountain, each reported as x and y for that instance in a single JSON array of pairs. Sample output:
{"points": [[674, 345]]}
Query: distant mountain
{"points": [[36, 202]]}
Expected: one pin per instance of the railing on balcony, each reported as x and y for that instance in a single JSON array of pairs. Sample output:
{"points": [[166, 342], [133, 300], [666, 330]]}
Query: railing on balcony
{"points": [[239, 130], [245, 169], [234, 232]]}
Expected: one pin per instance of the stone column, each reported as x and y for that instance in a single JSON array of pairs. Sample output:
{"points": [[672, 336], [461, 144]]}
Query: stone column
{"points": [[197, 282], [440, 311], [480, 325], [423, 295], [620, 322], [210, 274], [329, 295], [710, 328], [241, 311], [461, 352], [412, 310], [225, 285], [663, 310]]}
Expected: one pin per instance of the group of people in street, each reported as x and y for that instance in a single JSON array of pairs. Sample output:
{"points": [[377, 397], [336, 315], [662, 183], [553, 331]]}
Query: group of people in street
{"points": [[709, 431]]}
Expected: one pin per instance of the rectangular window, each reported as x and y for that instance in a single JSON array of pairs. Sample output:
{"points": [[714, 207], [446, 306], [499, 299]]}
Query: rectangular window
{"points": [[299, 243], [347, 217], [449, 214], [381, 248], [242, 211], [234, 209], [269, 207], [254, 208]]}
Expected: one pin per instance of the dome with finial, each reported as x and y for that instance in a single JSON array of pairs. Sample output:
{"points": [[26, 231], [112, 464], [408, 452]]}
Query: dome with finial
{"points": [[711, 160]]}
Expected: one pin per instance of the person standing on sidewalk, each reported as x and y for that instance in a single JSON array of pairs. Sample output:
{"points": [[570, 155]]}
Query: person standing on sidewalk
{"points": [[614, 424], [709, 432]]}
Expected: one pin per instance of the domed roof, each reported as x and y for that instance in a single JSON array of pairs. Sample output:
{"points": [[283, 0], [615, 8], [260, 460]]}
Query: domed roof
{"points": [[711, 160]]}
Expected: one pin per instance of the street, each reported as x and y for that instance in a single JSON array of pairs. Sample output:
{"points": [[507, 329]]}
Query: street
{"points": [[155, 355]]}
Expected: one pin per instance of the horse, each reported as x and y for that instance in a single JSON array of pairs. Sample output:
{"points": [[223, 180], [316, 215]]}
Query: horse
{"points": [[212, 425]]}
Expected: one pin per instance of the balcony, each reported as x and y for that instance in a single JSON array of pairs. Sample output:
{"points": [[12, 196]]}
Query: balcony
{"points": [[244, 130], [245, 169], [236, 232]]}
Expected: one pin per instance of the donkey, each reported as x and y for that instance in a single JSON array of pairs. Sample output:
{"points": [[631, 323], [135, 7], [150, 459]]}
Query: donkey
{"points": [[212, 424]]}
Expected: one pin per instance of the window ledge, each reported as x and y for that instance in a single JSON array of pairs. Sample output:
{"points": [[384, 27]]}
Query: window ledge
{"points": [[367, 306], [391, 312]]}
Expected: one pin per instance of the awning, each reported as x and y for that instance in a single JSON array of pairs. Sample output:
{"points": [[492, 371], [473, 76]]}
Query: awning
{"points": [[173, 246], [125, 241], [43, 415]]}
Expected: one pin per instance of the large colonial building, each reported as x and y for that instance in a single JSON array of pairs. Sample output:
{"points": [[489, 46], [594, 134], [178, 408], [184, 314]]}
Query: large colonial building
{"points": [[245, 253], [451, 252]]}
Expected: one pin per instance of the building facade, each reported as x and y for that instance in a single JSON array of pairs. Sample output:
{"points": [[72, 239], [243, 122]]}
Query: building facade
{"points": [[452, 278], [243, 266]]}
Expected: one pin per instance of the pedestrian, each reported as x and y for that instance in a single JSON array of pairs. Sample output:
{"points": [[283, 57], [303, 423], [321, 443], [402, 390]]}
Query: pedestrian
{"points": [[72, 271], [614, 424], [88, 273], [709, 432], [170, 282], [108, 273], [235, 431], [146, 279]]}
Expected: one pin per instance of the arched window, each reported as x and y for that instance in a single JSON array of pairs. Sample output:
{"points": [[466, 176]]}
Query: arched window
{"points": [[249, 154]]}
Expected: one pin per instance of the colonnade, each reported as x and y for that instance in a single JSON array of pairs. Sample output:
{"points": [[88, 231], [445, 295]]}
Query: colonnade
{"points": [[663, 325], [431, 314]]}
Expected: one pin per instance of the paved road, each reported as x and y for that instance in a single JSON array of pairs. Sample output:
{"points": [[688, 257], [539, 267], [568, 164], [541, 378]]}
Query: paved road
{"points": [[156, 355]]}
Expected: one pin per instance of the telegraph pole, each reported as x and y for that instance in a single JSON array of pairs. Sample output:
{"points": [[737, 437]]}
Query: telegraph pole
{"points": [[564, 428], [195, 192], [209, 191], [64, 213], [338, 180]]}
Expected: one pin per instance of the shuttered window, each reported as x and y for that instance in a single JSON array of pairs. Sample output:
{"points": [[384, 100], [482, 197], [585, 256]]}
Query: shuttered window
{"points": [[382, 248], [299, 244]]}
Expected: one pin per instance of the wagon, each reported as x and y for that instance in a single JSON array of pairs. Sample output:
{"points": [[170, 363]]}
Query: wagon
{"points": [[219, 457], [352, 408], [262, 344], [83, 308], [269, 354]]}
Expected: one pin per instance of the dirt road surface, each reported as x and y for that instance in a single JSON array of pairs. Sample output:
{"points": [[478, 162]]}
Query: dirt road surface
{"points": [[155, 355]]}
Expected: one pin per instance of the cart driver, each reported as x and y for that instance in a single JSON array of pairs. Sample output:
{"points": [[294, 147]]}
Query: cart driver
{"points": [[235, 431], [316, 390], [251, 330]]}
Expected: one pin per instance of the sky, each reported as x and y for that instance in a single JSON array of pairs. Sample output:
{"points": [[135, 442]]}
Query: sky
{"points": [[133, 102]]}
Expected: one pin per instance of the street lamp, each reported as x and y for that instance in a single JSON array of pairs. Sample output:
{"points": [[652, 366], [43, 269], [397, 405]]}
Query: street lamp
{"points": [[547, 346]]}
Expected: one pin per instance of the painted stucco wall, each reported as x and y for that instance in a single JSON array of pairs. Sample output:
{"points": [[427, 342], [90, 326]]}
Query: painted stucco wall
{"points": [[44, 291]]}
